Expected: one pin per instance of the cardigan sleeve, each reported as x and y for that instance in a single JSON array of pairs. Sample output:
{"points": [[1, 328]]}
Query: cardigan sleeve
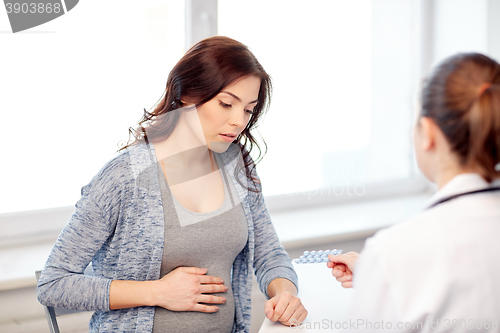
{"points": [[271, 261], [62, 282]]}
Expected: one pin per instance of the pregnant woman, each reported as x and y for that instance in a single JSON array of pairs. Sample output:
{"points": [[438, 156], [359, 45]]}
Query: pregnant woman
{"points": [[176, 224]]}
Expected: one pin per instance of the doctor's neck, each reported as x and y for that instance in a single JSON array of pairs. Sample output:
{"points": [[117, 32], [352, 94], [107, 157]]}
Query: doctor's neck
{"points": [[442, 164], [447, 172]]}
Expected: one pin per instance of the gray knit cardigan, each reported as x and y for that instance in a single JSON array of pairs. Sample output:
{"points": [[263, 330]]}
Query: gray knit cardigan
{"points": [[118, 226]]}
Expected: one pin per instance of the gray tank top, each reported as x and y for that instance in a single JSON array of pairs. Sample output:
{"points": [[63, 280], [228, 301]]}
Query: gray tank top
{"points": [[211, 240]]}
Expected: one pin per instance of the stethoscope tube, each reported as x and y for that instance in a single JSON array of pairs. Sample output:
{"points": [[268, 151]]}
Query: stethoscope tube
{"points": [[489, 189]]}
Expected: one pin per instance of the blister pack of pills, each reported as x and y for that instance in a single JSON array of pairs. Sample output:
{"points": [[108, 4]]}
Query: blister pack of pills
{"points": [[310, 257]]}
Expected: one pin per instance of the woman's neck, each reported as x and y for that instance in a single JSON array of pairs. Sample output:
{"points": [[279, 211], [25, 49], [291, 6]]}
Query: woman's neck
{"points": [[182, 148]]}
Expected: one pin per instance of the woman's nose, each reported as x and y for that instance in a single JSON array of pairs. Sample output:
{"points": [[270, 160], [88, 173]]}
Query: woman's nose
{"points": [[238, 118]]}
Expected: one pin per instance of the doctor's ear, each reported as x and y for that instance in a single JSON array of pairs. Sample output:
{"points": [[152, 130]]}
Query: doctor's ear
{"points": [[427, 130]]}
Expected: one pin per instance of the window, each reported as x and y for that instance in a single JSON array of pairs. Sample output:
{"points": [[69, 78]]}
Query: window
{"points": [[344, 74], [72, 87]]}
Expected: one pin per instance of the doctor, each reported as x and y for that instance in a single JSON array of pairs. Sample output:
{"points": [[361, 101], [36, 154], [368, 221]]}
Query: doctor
{"points": [[440, 271]]}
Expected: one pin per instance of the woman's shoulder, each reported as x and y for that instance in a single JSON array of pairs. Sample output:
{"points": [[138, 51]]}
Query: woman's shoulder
{"points": [[123, 168], [426, 234]]}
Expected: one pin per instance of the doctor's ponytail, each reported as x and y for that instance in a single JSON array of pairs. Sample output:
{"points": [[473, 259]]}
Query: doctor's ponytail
{"points": [[484, 118], [462, 96]]}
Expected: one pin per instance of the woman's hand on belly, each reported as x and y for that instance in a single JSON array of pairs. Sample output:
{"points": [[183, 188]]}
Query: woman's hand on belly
{"points": [[185, 287]]}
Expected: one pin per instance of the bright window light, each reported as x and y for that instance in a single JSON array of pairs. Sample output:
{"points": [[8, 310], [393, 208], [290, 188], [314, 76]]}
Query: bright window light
{"points": [[72, 87], [342, 73]]}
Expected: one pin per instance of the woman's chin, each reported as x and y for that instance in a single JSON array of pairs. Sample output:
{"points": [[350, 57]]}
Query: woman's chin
{"points": [[219, 147]]}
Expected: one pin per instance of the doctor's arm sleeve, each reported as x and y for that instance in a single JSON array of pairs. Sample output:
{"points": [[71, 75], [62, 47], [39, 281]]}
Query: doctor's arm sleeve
{"points": [[373, 297]]}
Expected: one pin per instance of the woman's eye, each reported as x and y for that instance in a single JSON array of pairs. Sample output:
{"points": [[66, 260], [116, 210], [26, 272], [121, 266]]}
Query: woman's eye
{"points": [[225, 105], [249, 111]]}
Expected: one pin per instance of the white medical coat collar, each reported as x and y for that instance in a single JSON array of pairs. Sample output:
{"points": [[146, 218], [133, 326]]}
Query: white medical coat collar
{"points": [[462, 183]]}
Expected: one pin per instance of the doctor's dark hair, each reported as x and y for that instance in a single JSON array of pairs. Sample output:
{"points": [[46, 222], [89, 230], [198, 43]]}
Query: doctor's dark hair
{"points": [[462, 96], [201, 74]]}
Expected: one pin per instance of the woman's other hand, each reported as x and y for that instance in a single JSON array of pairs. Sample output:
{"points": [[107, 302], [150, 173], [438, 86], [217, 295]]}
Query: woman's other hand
{"points": [[284, 306], [185, 287], [342, 266]]}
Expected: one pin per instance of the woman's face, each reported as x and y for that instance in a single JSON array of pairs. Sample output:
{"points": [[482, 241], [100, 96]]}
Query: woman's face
{"points": [[226, 115]]}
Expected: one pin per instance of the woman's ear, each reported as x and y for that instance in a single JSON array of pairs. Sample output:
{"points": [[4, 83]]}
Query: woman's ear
{"points": [[427, 128], [187, 101]]}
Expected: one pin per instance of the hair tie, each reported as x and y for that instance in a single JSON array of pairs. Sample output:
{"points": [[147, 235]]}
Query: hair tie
{"points": [[482, 88]]}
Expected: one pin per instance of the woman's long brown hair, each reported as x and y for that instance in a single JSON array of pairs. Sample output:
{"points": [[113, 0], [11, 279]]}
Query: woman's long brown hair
{"points": [[205, 69], [462, 95]]}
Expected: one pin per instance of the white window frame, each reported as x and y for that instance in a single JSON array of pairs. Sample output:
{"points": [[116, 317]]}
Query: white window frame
{"points": [[28, 227]]}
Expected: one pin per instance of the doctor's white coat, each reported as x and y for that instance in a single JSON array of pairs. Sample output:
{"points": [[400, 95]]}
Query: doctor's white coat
{"points": [[438, 272]]}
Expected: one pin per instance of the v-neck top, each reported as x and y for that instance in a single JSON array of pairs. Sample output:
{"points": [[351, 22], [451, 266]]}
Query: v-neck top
{"points": [[209, 240]]}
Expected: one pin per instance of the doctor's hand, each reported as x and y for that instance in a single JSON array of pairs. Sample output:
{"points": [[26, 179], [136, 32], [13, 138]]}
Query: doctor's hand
{"points": [[284, 306], [184, 288], [342, 266]]}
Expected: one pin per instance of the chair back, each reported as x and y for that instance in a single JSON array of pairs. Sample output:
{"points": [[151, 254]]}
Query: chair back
{"points": [[52, 313]]}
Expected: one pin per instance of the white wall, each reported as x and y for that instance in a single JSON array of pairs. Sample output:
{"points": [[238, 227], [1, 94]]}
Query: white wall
{"points": [[465, 26]]}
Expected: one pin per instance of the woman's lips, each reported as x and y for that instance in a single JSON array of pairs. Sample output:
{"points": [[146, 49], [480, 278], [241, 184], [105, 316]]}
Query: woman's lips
{"points": [[227, 137]]}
